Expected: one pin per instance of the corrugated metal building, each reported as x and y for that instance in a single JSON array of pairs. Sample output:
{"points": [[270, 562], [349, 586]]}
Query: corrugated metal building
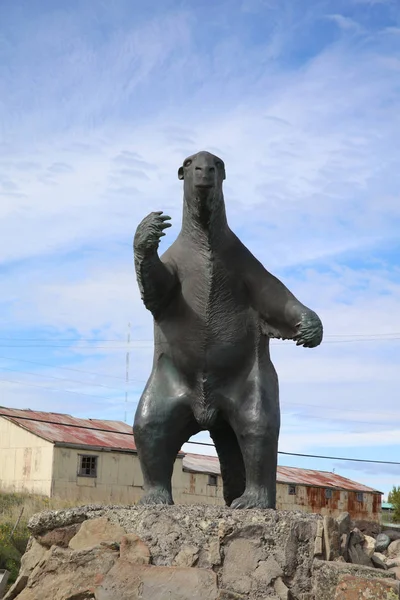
{"points": [[90, 460], [300, 489]]}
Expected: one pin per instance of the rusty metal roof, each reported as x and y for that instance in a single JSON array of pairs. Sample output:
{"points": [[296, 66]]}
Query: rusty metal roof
{"points": [[324, 479], [198, 463], [64, 429]]}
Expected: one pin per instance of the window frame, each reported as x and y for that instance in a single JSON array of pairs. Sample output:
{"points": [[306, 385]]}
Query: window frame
{"points": [[212, 480], [328, 494], [94, 471], [292, 490]]}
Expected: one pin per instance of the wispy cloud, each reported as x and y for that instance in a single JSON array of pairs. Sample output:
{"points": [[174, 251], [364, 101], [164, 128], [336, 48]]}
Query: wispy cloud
{"points": [[345, 23]]}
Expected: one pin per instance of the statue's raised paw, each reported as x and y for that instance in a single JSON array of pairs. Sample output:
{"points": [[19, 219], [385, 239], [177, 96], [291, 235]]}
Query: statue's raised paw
{"points": [[309, 330], [149, 232]]}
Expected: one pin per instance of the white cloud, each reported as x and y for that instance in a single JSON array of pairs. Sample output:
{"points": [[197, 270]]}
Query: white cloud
{"points": [[373, 2], [345, 22]]}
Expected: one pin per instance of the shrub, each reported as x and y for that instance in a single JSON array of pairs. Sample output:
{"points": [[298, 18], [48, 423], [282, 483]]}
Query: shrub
{"points": [[12, 549], [394, 498]]}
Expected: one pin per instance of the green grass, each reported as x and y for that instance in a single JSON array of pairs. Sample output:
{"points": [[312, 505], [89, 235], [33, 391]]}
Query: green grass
{"points": [[13, 547]]}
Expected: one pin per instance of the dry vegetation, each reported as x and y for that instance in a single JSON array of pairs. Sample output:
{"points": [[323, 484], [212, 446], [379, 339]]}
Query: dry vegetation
{"points": [[15, 511]]}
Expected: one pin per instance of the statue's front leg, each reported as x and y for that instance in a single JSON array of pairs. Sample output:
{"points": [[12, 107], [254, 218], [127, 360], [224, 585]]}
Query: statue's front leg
{"points": [[155, 279]]}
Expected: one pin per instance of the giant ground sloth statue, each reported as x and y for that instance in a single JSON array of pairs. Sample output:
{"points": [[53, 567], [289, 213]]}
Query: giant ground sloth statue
{"points": [[215, 307]]}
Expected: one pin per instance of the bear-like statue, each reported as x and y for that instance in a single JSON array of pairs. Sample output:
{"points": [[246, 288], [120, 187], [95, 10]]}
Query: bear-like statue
{"points": [[215, 307]]}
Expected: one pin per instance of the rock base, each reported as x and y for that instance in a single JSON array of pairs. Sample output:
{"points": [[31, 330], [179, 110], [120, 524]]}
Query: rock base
{"points": [[189, 553]]}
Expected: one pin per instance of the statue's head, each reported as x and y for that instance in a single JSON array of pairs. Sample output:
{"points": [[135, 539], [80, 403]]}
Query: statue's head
{"points": [[202, 175]]}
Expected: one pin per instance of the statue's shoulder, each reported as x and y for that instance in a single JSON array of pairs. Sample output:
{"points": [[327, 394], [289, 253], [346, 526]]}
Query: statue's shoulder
{"points": [[239, 252]]}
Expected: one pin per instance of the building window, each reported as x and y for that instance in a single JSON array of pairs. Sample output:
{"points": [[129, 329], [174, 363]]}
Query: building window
{"points": [[87, 466], [360, 497], [292, 490], [212, 480], [328, 494]]}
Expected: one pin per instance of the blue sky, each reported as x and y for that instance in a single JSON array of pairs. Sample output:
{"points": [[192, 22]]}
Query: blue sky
{"points": [[99, 104]]}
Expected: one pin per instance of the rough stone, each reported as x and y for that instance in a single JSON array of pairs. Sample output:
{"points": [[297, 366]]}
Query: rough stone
{"points": [[241, 559], [356, 588], [68, 575], [17, 587], [33, 556], [393, 534], [165, 529], [238, 543], [60, 536], [267, 571], [382, 542], [378, 561], [344, 546], [396, 571], [394, 549], [355, 550], [281, 589], [224, 529], [95, 531], [381, 556], [331, 538], [391, 563], [371, 528], [214, 552], [319, 540], [357, 556], [369, 546], [48, 520], [344, 523], [227, 595], [145, 582], [134, 550], [356, 537], [326, 576], [187, 556]]}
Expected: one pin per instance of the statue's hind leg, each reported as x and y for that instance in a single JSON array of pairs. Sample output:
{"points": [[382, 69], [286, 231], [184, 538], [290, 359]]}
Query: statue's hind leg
{"points": [[163, 423], [255, 419], [231, 461]]}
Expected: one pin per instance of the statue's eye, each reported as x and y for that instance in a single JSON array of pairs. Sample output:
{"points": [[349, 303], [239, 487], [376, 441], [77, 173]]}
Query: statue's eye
{"points": [[218, 164], [187, 163]]}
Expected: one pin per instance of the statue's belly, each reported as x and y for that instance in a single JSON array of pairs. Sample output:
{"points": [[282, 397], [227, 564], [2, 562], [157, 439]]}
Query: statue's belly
{"points": [[210, 330]]}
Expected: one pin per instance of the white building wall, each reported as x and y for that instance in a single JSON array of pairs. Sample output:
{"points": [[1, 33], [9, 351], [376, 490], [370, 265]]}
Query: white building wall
{"points": [[119, 477], [25, 460]]}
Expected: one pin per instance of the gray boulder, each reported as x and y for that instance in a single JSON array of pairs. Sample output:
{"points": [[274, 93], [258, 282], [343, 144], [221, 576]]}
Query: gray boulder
{"points": [[382, 542]]}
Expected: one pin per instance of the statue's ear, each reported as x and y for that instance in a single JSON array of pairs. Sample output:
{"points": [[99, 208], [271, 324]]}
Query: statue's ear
{"points": [[180, 173], [223, 173]]}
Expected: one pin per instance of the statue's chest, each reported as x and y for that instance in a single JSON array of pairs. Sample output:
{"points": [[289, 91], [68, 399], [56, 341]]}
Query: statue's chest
{"points": [[211, 286]]}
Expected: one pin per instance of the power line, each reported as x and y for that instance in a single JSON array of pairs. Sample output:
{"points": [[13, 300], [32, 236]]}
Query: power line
{"points": [[288, 407], [298, 454], [108, 387], [44, 387], [40, 364], [145, 342], [122, 341], [376, 462], [77, 339]]}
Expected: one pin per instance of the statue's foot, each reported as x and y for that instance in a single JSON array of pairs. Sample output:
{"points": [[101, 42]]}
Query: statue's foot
{"points": [[156, 496], [253, 499]]}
